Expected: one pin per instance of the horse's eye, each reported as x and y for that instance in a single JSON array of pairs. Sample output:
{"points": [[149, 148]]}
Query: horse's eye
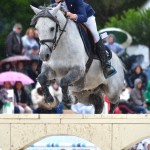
{"points": [[52, 29]]}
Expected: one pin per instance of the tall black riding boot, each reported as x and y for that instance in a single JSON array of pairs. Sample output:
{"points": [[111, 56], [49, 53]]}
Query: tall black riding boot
{"points": [[108, 70]]}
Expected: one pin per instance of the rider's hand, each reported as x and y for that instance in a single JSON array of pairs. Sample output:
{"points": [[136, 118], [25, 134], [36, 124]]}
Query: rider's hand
{"points": [[72, 16]]}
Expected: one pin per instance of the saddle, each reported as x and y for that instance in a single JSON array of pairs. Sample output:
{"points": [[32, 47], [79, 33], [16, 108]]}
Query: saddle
{"points": [[89, 45], [88, 41]]}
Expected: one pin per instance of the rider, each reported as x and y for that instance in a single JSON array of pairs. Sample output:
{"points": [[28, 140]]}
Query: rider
{"points": [[82, 12]]}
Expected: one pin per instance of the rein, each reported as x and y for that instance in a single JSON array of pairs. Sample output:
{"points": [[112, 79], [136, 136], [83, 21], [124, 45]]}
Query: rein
{"points": [[45, 13]]}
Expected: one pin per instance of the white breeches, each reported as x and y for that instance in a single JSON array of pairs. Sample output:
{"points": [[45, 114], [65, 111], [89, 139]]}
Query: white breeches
{"points": [[91, 25]]}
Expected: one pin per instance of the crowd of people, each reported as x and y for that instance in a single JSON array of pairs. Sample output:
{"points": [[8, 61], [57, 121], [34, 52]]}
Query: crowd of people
{"points": [[27, 45], [135, 97], [26, 98]]}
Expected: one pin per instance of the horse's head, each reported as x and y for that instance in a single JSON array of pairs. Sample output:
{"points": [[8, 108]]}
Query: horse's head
{"points": [[48, 27]]}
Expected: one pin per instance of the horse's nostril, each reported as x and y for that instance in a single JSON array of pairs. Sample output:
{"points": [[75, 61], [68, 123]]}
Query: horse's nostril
{"points": [[47, 56]]}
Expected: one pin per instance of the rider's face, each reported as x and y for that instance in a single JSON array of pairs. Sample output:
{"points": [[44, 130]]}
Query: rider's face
{"points": [[110, 40], [57, 1]]}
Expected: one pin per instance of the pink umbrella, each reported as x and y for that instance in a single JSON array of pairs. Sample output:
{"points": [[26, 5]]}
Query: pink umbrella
{"points": [[15, 58], [15, 76]]}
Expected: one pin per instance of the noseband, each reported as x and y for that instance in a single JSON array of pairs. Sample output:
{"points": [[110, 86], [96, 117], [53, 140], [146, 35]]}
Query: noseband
{"points": [[45, 13]]}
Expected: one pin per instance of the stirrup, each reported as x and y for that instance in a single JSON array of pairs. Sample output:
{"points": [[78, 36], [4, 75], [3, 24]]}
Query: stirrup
{"points": [[110, 73]]}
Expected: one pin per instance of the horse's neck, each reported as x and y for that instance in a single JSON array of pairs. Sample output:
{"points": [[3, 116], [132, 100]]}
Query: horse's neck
{"points": [[70, 47], [70, 31], [71, 36]]}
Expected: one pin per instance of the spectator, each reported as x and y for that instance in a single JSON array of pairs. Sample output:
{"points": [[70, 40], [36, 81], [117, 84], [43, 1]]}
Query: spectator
{"points": [[36, 37], [56, 92], [38, 101], [138, 73], [114, 46], [4, 97], [31, 46], [147, 95], [137, 99], [7, 67], [21, 98], [7, 85], [21, 67], [33, 72], [14, 42]]}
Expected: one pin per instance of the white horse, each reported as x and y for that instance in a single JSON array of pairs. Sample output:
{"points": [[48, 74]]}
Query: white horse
{"points": [[66, 58]]}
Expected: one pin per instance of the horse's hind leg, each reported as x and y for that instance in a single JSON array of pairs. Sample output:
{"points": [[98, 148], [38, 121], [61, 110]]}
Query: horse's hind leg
{"points": [[113, 93], [90, 97], [73, 75], [98, 102], [113, 107]]}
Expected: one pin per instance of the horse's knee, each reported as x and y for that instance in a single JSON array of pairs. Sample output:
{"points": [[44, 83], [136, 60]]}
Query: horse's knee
{"points": [[63, 82], [42, 79], [112, 94], [114, 99]]}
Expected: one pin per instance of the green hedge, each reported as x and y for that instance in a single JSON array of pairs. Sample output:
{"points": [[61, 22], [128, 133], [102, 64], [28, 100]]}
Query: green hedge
{"points": [[136, 22]]}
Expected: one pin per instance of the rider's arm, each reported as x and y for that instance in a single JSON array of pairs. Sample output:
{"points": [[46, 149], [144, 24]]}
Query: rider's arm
{"points": [[52, 2], [81, 11]]}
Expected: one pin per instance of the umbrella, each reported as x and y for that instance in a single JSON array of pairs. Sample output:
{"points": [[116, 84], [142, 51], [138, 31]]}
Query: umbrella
{"points": [[122, 37], [12, 77], [15, 58]]}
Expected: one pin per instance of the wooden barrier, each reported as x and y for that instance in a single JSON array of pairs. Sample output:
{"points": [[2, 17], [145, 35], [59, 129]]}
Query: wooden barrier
{"points": [[108, 132]]}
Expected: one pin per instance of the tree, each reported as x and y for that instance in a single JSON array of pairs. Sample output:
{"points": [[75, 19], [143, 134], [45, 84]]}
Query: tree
{"points": [[107, 8], [13, 11], [134, 21]]}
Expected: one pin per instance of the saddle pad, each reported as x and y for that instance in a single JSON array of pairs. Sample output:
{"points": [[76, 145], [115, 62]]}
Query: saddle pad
{"points": [[88, 41]]}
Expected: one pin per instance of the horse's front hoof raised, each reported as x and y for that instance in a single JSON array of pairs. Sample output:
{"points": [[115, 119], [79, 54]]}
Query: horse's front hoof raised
{"points": [[67, 100]]}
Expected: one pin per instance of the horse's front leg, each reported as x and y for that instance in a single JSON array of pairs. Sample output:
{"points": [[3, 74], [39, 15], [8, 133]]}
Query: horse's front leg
{"points": [[72, 76], [43, 79]]}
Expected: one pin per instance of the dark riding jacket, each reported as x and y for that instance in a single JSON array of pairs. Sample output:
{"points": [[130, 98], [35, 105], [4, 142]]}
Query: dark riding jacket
{"points": [[80, 8]]}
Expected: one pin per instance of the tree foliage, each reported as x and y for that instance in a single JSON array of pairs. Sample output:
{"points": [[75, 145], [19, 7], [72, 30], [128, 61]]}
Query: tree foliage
{"points": [[107, 8], [136, 22], [13, 11]]}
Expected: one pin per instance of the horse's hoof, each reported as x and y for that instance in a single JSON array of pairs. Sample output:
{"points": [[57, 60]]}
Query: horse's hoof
{"points": [[67, 100]]}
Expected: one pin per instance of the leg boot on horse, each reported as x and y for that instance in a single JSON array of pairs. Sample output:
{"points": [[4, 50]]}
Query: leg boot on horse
{"points": [[42, 79]]}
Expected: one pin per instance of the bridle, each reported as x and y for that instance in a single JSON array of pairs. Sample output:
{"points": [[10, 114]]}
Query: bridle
{"points": [[45, 13]]}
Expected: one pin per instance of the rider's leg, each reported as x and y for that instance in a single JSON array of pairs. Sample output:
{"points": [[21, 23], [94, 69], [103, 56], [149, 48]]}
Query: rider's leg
{"points": [[91, 25], [100, 48]]}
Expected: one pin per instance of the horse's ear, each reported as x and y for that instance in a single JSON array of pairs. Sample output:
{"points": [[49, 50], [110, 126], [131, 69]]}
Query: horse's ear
{"points": [[56, 9], [36, 10]]}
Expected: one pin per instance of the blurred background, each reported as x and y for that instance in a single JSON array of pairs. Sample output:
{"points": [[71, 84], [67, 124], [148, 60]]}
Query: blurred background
{"points": [[125, 14], [128, 22]]}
